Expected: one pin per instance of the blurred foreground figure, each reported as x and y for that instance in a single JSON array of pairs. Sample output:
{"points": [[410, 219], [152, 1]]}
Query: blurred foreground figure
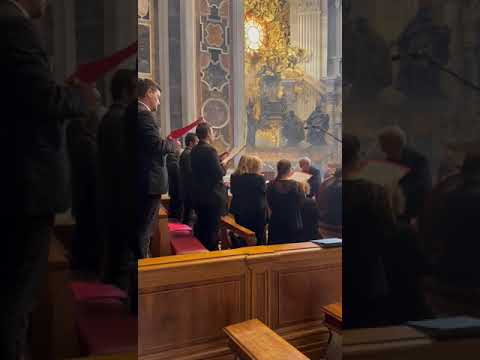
{"points": [[34, 110]]}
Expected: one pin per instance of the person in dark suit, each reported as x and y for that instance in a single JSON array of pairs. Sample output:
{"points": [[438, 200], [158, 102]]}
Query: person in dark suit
{"points": [[314, 182], [368, 230], [310, 216], [284, 198], [249, 201], [150, 150], [186, 177], [114, 180], [175, 207], [34, 109], [417, 184], [86, 248], [209, 194]]}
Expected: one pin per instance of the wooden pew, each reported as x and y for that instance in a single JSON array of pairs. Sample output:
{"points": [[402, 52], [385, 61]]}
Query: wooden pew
{"points": [[228, 223], [252, 340], [110, 357], [334, 322], [402, 342], [330, 231], [185, 301], [53, 331], [160, 245]]}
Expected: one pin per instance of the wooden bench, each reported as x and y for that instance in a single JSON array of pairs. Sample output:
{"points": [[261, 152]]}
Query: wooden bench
{"points": [[131, 356], [252, 340], [186, 301], [333, 316], [228, 223], [330, 231], [160, 245], [333, 321], [53, 329], [402, 342]]}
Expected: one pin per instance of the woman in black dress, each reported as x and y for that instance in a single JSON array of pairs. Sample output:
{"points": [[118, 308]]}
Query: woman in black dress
{"points": [[310, 216], [248, 189], [284, 198]]}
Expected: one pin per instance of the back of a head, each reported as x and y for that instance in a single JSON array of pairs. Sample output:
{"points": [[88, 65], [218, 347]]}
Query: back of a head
{"points": [[283, 168], [203, 131], [242, 165], [393, 133], [144, 85], [190, 139], [124, 85], [253, 165], [350, 150]]}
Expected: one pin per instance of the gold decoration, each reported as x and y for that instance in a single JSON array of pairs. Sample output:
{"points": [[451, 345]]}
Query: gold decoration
{"points": [[269, 55]]}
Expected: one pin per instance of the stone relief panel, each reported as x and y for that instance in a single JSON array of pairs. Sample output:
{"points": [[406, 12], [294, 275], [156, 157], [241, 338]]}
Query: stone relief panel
{"points": [[214, 66]]}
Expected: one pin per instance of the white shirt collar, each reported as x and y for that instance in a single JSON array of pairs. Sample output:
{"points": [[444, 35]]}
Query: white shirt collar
{"points": [[21, 8], [148, 108]]}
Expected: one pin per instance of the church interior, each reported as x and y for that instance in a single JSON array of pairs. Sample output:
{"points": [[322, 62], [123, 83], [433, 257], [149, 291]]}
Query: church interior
{"points": [[201, 195], [266, 76], [411, 86]]}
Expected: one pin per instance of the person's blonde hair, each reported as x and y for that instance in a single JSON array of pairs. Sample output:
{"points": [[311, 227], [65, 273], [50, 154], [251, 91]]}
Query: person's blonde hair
{"points": [[253, 165], [242, 166]]}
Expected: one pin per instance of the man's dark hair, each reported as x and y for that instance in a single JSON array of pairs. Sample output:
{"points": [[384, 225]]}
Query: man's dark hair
{"points": [[190, 139], [283, 168], [146, 84], [350, 149], [124, 81], [203, 130]]}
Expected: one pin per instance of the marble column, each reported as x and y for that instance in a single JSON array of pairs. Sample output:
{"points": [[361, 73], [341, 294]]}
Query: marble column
{"points": [[238, 76], [161, 42], [188, 60]]}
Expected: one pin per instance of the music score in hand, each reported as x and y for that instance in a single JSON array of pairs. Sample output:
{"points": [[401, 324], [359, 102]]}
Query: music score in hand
{"points": [[227, 156]]}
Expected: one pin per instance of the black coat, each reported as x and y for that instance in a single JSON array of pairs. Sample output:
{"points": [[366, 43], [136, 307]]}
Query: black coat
{"points": [[417, 184], [314, 181], [151, 150], [186, 174], [248, 196], [207, 177], [33, 112], [115, 178], [284, 199]]}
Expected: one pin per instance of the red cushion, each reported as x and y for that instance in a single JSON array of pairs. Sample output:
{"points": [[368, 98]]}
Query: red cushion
{"points": [[86, 291], [178, 228], [186, 245], [106, 328]]}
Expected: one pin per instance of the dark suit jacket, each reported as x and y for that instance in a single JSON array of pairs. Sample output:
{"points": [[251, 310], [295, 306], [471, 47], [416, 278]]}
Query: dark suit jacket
{"points": [[314, 181], [208, 188], [173, 170], [112, 156], [151, 152], [417, 184], [186, 174], [248, 196], [34, 109]]}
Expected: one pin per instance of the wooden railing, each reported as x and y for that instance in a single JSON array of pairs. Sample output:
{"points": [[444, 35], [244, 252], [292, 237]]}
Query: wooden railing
{"points": [[53, 331], [402, 342], [160, 245], [252, 340], [185, 301], [228, 223]]}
